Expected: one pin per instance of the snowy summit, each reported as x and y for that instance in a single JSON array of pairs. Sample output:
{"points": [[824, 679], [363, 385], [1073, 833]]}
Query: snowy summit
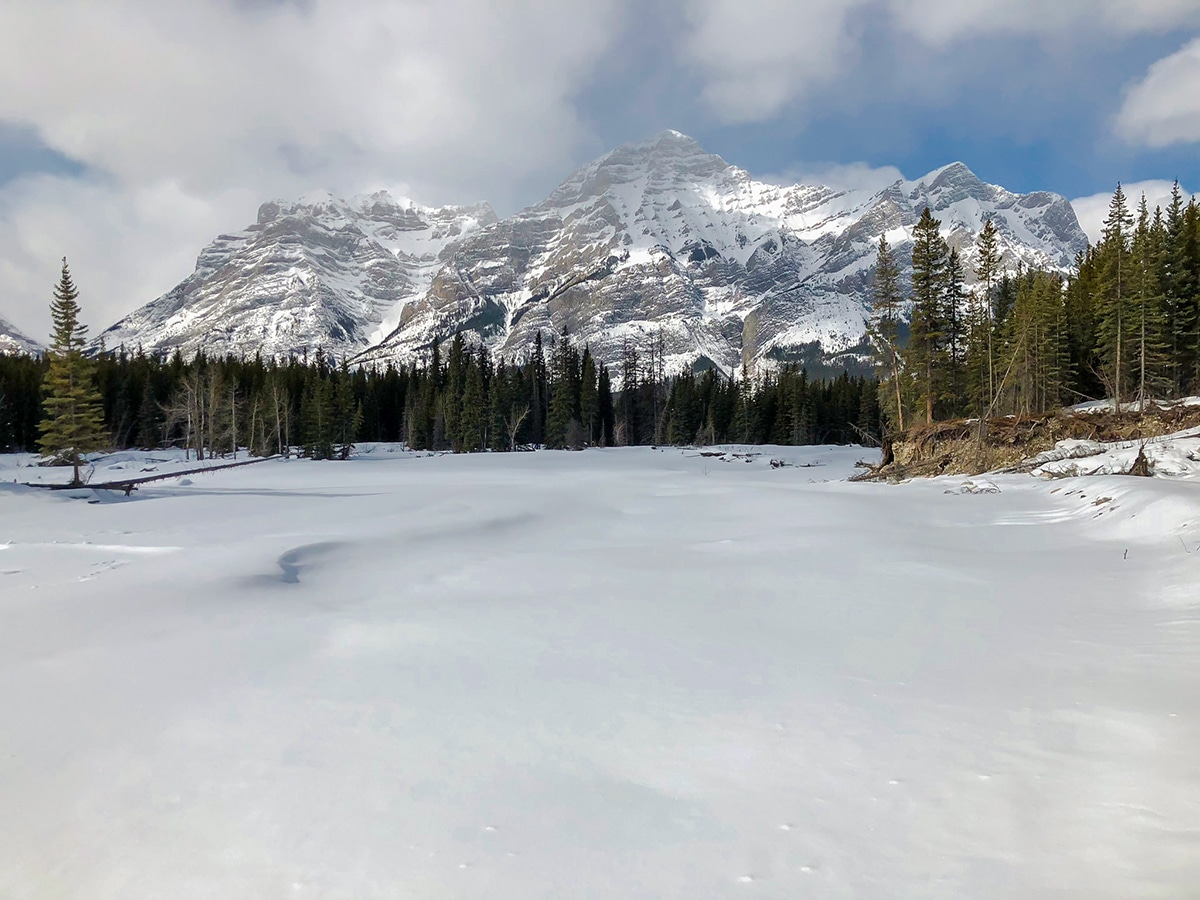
{"points": [[655, 239]]}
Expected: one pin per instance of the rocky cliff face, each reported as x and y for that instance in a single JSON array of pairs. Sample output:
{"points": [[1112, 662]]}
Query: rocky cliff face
{"points": [[13, 341], [664, 238], [656, 239], [318, 273]]}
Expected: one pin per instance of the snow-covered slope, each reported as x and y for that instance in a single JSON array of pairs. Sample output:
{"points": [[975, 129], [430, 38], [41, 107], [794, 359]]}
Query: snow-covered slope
{"points": [[13, 341], [663, 237], [317, 273], [656, 238]]}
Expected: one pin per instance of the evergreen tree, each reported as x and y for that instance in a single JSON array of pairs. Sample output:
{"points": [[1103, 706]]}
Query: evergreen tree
{"points": [[6, 424], [346, 413], [472, 420], [628, 430], [883, 330], [149, 419], [1037, 339], [316, 416], [1151, 370], [953, 297], [589, 398], [1188, 288], [925, 355], [1173, 280], [1081, 314], [744, 419], [564, 393], [73, 422], [1116, 321], [607, 409], [987, 268]]}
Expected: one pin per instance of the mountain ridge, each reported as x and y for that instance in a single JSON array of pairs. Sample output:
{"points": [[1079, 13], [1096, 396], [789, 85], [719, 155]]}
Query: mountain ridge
{"points": [[655, 239], [13, 340], [660, 236]]}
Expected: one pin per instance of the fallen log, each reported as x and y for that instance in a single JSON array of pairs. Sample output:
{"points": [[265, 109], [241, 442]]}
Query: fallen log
{"points": [[129, 485]]}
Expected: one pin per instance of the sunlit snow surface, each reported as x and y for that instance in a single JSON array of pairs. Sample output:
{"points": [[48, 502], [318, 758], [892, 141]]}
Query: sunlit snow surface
{"points": [[626, 673]]}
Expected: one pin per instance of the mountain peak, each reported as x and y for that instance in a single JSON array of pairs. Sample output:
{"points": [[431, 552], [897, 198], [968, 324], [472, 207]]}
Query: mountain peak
{"points": [[952, 173], [657, 237], [668, 143], [677, 138], [668, 157]]}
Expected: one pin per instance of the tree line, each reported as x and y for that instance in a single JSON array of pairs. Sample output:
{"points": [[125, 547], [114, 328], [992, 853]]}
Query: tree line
{"points": [[460, 398], [1123, 324]]}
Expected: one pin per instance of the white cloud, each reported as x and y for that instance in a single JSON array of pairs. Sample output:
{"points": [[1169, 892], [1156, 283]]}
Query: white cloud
{"points": [[758, 56], [182, 111], [1164, 107], [839, 176], [938, 22], [1092, 211], [125, 244]]}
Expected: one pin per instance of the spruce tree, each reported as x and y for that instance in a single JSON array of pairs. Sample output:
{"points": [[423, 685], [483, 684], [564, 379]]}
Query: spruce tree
{"points": [[6, 423], [1189, 288], [564, 393], [884, 329], [1081, 312], [473, 410], [589, 397], [1116, 321], [346, 413], [924, 356], [953, 297], [987, 269], [606, 408], [73, 419], [1174, 286], [1037, 337], [316, 416], [1150, 366], [540, 392]]}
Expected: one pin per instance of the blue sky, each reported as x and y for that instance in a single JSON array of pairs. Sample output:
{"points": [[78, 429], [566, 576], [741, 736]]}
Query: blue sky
{"points": [[133, 132]]}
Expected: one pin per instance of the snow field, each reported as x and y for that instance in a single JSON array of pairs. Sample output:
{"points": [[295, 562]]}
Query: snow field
{"points": [[622, 673]]}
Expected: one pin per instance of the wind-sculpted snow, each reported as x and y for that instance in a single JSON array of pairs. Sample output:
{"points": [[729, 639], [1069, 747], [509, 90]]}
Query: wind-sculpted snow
{"points": [[662, 238], [13, 341], [317, 274], [616, 673]]}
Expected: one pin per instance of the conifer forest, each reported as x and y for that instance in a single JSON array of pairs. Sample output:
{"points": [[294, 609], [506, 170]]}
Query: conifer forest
{"points": [[1123, 325], [459, 399]]}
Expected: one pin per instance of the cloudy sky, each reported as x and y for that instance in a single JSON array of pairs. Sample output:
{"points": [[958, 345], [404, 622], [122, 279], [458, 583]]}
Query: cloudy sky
{"points": [[134, 131]]}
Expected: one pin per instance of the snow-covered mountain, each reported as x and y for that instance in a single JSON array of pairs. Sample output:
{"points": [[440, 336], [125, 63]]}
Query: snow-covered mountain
{"points": [[319, 272], [13, 341], [658, 238], [663, 238]]}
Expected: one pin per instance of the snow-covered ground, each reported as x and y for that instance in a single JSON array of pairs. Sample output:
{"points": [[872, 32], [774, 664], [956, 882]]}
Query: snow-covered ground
{"points": [[1171, 456], [623, 673]]}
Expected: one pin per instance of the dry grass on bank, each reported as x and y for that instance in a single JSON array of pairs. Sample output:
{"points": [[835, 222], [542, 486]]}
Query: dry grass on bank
{"points": [[964, 447]]}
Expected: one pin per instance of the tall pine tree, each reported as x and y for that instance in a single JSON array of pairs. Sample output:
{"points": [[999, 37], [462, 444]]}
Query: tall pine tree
{"points": [[924, 356], [884, 330], [73, 418], [1116, 320]]}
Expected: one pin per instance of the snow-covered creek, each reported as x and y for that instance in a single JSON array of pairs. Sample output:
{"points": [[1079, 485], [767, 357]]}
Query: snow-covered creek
{"points": [[621, 673]]}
